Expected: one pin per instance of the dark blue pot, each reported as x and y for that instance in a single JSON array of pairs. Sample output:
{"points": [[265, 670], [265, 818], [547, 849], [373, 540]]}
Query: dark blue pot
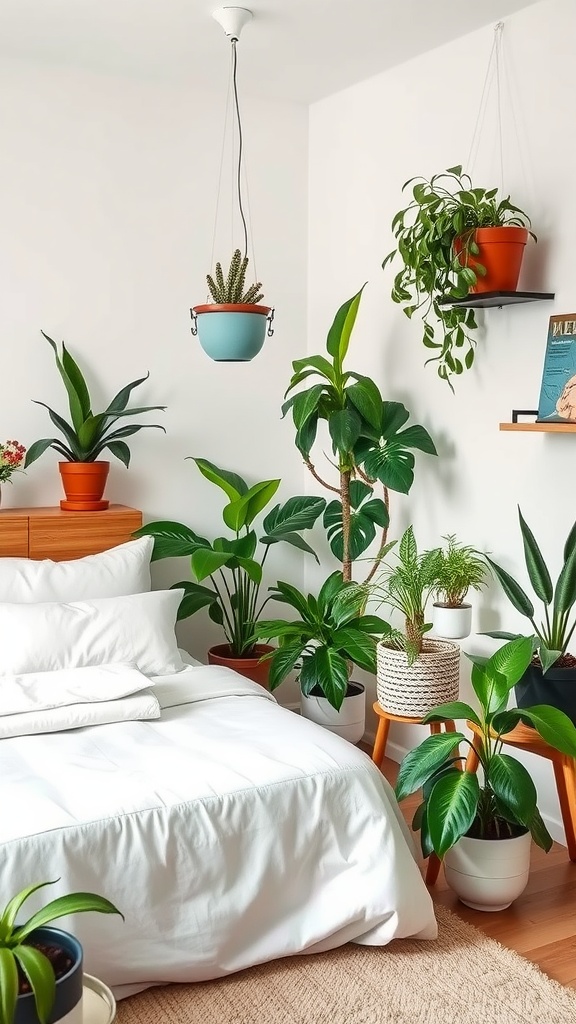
{"points": [[557, 687], [231, 333], [68, 988]]}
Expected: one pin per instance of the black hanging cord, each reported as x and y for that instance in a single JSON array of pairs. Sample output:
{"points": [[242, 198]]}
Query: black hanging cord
{"points": [[240, 145]]}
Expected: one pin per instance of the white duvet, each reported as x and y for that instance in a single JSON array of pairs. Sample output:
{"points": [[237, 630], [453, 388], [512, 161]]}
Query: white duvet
{"points": [[229, 832]]}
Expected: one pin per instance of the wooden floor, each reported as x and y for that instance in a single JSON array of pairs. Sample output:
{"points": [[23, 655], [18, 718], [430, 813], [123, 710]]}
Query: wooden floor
{"points": [[541, 924]]}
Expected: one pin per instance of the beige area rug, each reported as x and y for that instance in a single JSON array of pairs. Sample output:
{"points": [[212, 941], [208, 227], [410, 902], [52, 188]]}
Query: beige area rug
{"points": [[462, 978]]}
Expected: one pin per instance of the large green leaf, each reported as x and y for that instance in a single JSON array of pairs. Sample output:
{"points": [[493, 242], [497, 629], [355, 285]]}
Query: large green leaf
{"points": [[514, 592], [171, 540], [554, 726], [357, 645], [283, 661], [513, 786], [344, 427], [298, 513], [295, 540], [243, 511], [348, 604], [70, 435], [40, 973], [195, 598], [77, 380], [451, 808], [9, 985], [232, 484], [121, 451], [392, 465], [306, 404], [39, 447], [366, 398], [72, 903], [565, 594], [332, 586], [306, 435], [12, 908], [328, 670], [535, 564], [540, 833], [288, 594], [422, 762], [205, 561], [394, 416], [341, 329], [490, 687], [512, 659], [127, 431], [455, 710], [74, 400], [364, 517], [312, 364], [417, 437], [120, 401]]}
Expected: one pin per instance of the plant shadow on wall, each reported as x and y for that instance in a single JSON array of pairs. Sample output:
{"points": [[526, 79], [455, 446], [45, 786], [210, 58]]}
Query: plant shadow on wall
{"points": [[483, 828], [83, 440], [454, 239], [372, 455]]}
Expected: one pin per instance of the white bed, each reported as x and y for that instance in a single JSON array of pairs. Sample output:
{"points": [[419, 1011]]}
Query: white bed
{"points": [[229, 832]]}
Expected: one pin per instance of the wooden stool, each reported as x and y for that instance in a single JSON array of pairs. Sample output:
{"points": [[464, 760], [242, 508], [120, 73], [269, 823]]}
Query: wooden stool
{"points": [[526, 738], [385, 718]]}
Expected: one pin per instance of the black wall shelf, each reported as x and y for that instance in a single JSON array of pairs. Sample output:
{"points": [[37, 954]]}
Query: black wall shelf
{"points": [[483, 300]]}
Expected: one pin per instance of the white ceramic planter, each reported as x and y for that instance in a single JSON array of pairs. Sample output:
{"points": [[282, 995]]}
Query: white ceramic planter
{"points": [[349, 722], [488, 874], [452, 623]]}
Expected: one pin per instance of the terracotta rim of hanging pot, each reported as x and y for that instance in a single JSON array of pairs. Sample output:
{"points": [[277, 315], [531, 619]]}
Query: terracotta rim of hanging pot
{"points": [[84, 484], [232, 307], [501, 253]]}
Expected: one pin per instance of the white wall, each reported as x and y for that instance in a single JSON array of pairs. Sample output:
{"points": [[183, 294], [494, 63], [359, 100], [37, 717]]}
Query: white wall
{"points": [[107, 199], [419, 119]]}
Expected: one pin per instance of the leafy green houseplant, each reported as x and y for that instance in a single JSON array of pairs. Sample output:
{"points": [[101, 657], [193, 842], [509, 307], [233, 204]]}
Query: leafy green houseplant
{"points": [[232, 327], [372, 455], [413, 672], [551, 676], [456, 805], [440, 240], [461, 568], [234, 564], [87, 435], [30, 953]]}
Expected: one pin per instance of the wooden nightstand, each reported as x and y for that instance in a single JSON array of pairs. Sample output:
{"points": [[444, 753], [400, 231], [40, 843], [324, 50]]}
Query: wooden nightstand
{"points": [[51, 533]]}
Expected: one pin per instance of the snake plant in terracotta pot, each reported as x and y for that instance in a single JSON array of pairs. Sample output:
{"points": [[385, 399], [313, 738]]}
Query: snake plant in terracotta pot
{"points": [[83, 440], [483, 827], [452, 239], [372, 456], [232, 328]]}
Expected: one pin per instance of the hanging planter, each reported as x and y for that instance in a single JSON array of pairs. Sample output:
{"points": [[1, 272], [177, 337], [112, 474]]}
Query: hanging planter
{"points": [[495, 256], [232, 329]]}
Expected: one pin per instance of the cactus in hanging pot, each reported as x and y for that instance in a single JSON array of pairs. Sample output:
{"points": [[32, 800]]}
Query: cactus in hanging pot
{"points": [[232, 328]]}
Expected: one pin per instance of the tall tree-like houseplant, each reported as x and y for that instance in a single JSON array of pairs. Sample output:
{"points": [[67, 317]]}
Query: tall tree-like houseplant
{"points": [[232, 327], [483, 827], [372, 451], [551, 675], [454, 238]]}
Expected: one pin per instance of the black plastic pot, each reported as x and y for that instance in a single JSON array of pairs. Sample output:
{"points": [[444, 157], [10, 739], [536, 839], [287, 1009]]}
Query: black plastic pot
{"points": [[557, 688], [68, 987]]}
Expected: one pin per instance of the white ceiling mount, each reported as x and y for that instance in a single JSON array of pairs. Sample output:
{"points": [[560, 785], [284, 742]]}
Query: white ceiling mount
{"points": [[232, 20]]}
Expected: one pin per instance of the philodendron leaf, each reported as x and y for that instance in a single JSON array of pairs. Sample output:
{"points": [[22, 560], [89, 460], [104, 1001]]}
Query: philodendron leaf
{"points": [[422, 762], [451, 808], [513, 786], [232, 484], [242, 512], [328, 670], [298, 513], [554, 726], [171, 539], [283, 661], [454, 710]]}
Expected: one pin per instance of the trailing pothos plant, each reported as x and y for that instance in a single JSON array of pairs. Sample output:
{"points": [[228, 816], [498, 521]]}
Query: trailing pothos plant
{"points": [[371, 445], [442, 209], [554, 632], [234, 565], [503, 802]]}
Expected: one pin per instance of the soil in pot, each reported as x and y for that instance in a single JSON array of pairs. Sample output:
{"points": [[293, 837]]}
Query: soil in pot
{"points": [[250, 667], [556, 687], [59, 958]]}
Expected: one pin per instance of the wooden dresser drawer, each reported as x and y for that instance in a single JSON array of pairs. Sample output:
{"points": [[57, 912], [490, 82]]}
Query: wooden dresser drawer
{"points": [[52, 533], [13, 536]]}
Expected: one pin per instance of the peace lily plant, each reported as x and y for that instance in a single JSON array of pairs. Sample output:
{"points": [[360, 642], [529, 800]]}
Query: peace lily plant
{"points": [[22, 960]]}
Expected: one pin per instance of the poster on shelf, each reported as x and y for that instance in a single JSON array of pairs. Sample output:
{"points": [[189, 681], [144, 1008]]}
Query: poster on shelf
{"points": [[557, 402]]}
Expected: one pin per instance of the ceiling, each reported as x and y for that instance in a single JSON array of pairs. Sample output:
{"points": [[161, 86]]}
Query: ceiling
{"points": [[294, 49]]}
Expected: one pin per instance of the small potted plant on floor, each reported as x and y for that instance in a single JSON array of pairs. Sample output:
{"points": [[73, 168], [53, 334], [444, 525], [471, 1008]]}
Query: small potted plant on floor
{"points": [[232, 328], [372, 456], [483, 828], [41, 967], [88, 435], [550, 678], [461, 568], [453, 239], [414, 673], [231, 564]]}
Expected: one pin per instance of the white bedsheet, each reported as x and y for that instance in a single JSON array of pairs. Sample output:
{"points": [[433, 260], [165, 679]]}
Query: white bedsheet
{"points": [[229, 832]]}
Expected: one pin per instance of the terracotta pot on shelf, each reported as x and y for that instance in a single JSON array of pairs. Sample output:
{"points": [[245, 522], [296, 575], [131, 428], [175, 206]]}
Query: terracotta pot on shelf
{"points": [[84, 484], [250, 668], [501, 253]]}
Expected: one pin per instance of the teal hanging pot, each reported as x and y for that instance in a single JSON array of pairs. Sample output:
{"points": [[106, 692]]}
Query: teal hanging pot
{"points": [[232, 332]]}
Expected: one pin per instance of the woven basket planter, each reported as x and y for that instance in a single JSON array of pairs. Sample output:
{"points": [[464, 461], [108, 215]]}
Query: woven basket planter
{"points": [[412, 690]]}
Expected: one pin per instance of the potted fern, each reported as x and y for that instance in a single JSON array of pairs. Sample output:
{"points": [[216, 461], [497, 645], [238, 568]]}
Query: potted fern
{"points": [[453, 239], [413, 672], [87, 435], [232, 328], [461, 568]]}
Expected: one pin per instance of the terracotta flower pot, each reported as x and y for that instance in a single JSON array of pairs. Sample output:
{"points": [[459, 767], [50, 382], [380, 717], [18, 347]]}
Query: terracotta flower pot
{"points": [[84, 484], [250, 668], [501, 252]]}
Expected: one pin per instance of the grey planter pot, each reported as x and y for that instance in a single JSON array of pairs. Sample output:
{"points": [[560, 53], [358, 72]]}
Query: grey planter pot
{"points": [[68, 988], [557, 687]]}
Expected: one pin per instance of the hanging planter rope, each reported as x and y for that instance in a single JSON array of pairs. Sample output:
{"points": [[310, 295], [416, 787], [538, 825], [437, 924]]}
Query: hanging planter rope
{"points": [[232, 328]]}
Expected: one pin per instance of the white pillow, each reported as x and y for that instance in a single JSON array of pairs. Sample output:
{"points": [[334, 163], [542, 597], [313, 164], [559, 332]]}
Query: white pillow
{"points": [[137, 629], [124, 569]]}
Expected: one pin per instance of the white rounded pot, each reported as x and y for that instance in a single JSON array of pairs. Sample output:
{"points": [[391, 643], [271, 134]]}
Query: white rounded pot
{"points": [[412, 690], [488, 874], [349, 722], [452, 623]]}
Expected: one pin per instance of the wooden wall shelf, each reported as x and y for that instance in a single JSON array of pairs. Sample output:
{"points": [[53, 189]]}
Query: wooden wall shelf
{"points": [[549, 428]]}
